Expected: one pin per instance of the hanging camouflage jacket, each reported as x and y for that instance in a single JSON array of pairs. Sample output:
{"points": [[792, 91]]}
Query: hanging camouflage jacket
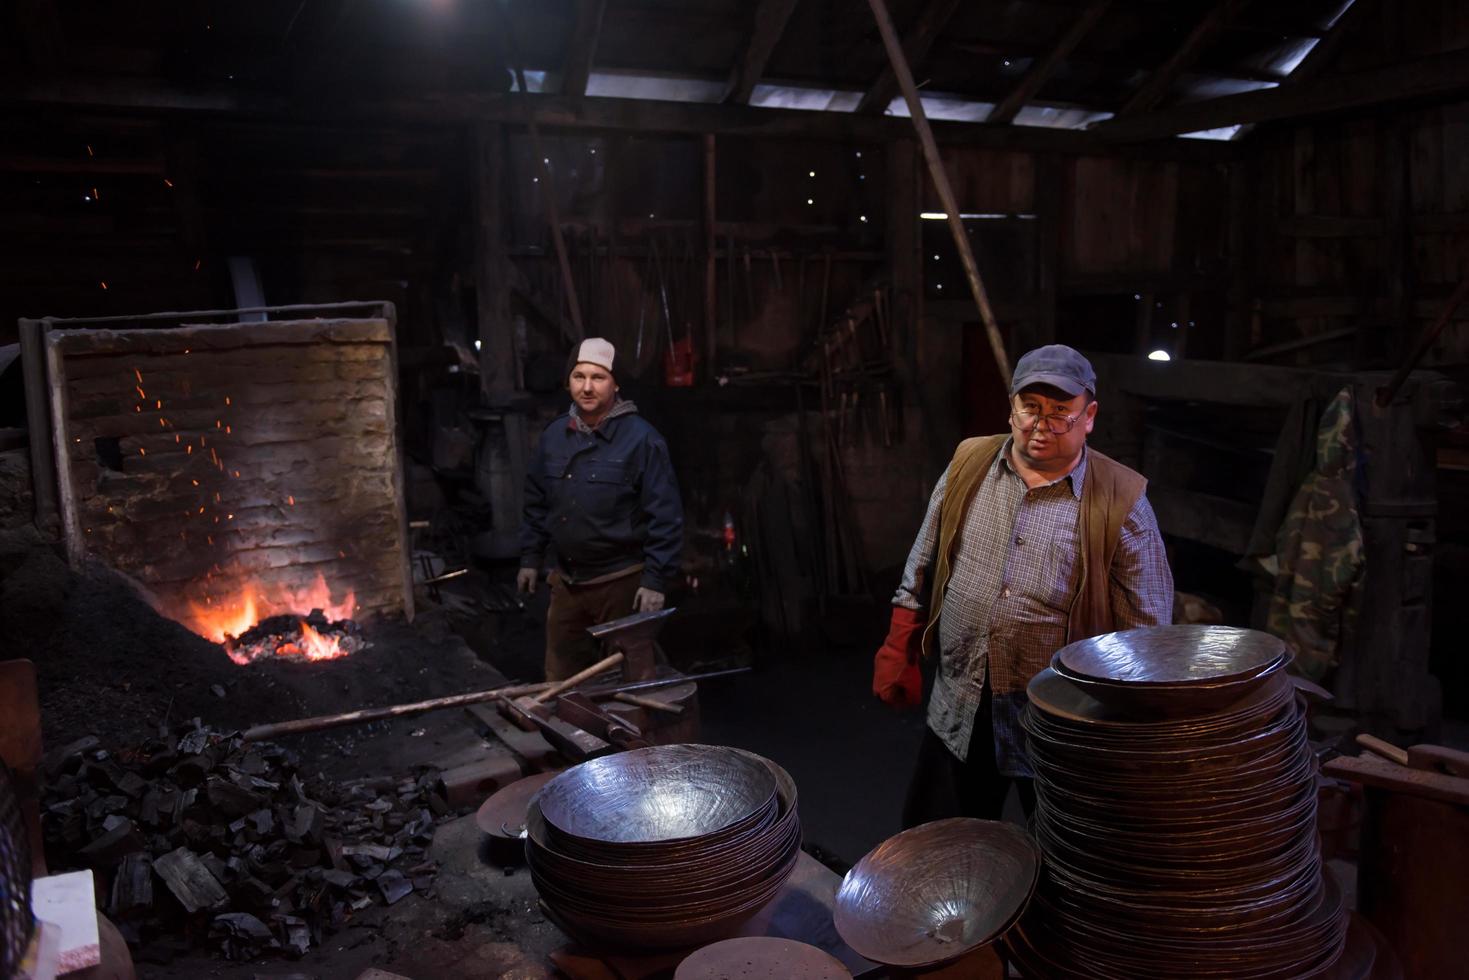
{"points": [[1319, 547]]}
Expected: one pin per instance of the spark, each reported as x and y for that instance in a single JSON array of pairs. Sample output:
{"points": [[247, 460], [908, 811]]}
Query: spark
{"points": [[139, 374], [142, 451], [89, 150], [291, 500], [103, 283], [167, 182]]}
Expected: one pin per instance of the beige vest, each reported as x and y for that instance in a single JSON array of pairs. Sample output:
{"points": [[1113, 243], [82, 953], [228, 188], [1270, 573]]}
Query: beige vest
{"points": [[1107, 497]]}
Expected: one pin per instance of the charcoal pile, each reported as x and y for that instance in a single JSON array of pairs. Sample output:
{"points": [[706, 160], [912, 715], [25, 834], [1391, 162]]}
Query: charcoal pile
{"points": [[199, 836]]}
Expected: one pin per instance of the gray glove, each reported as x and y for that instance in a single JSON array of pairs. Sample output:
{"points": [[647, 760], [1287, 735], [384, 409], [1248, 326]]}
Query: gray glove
{"points": [[647, 601], [525, 580]]}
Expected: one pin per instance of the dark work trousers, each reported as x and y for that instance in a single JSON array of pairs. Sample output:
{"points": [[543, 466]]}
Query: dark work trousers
{"points": [[574, 608], [942, 786]]}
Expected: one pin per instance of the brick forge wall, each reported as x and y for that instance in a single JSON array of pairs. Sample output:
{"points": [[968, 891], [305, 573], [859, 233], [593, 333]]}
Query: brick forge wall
{"points": [[208, 460]]}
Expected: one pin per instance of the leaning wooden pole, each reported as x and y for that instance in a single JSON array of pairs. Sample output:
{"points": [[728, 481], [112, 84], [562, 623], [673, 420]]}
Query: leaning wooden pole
{"points": [[941, 183]]}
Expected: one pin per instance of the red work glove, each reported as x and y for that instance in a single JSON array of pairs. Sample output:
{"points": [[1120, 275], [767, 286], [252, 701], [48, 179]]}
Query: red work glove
{"points": [[896, 678]]}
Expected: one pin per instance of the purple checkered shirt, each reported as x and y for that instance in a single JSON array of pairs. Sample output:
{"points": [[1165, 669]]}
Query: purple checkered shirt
{"points": [[1004, 617]]}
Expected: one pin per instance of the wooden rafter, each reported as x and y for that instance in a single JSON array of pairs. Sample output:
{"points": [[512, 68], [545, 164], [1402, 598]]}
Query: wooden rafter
{"points": [[1156, 88], [581, 49], [118, 94], [1438, 77], [916, 46], [771, 17], [1324, 53], [1043, 68]]}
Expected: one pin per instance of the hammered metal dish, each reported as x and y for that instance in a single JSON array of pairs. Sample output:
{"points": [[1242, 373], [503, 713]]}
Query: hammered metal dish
{"points": [[1172, 655], [658, 796], [933, 893], [1176, 810], [662, 888], [503, 814]]}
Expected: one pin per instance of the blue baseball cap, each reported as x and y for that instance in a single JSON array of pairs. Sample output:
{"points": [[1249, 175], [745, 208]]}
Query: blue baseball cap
{"points": [[1056, 365]]}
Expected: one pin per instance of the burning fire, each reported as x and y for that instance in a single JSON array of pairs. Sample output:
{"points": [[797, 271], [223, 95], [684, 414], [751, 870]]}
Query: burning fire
{"points": [[226, 620]]}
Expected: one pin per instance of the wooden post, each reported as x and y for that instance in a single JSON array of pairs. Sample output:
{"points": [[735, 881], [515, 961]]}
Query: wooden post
{"points": [[1243, 206], [491, 280], [1050, 178], [65, 489], [38, 419], [1397, 245], [941, 183], [711, 279]]}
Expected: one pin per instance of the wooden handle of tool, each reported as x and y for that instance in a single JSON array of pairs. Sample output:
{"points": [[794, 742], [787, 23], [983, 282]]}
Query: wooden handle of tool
{"points": [[652, 704], [599, 667], [1387, 750]]}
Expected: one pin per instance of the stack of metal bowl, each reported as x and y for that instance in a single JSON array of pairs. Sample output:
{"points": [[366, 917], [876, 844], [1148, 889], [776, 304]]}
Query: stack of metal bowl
{"points": [[663, 847], [1176, 809]]}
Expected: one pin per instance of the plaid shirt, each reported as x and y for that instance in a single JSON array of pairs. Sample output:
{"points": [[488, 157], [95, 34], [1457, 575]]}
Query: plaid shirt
{"points": [[1003, 618]]}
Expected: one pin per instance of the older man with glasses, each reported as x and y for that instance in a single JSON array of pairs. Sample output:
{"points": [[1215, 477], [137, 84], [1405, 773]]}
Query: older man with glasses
{"points": [[1031, 541]]}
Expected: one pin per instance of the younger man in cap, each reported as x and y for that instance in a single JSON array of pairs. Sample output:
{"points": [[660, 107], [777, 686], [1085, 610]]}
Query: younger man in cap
{"points": [[1031, 541], [601, 487]]}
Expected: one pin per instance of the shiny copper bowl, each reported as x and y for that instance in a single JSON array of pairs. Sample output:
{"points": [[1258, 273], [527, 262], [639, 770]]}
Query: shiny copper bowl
{"points": [[933, 893], [660, 795], [668, 894], [1173, 656], [1066, 706]]}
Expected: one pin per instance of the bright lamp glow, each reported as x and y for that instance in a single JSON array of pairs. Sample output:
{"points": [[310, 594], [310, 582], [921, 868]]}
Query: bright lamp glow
{"points": [[1159, 355]]}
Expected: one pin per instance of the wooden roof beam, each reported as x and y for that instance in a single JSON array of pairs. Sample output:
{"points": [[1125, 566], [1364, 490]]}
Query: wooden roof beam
{"points": [[1323, 54], [118, 94], [581, 48], [1439, 77], [916, 46], [1156, 88], [771, 17], [1043, 68]]}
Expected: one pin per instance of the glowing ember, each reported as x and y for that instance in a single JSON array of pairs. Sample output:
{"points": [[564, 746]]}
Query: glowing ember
{"points": [[256, 622]]}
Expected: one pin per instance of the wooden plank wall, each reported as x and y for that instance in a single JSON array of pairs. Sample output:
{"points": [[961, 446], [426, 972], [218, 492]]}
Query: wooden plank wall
{"points": [[207, 459], [1362, 224]]}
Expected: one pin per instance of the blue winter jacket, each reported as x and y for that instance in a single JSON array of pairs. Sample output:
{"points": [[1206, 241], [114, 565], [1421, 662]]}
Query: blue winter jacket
{"points": [[607, 498]]}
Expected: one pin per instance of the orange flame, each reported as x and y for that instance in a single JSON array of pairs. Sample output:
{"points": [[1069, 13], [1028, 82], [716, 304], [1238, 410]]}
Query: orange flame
{"points": [[314, 646], [220, 618]]}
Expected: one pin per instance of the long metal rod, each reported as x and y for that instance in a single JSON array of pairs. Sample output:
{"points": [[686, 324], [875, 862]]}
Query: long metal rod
{"points": [[301, 726], [941, 183]]}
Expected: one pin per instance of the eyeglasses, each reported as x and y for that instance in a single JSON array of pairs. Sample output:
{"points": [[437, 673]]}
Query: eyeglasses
{"points": [[1056, 425]]}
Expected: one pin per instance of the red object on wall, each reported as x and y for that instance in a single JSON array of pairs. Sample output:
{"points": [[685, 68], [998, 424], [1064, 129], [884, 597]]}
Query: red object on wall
{"points": [[678, 364]]}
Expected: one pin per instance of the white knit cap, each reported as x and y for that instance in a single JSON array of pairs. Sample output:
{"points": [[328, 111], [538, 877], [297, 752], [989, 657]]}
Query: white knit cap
{"points": [[595, 350]]}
